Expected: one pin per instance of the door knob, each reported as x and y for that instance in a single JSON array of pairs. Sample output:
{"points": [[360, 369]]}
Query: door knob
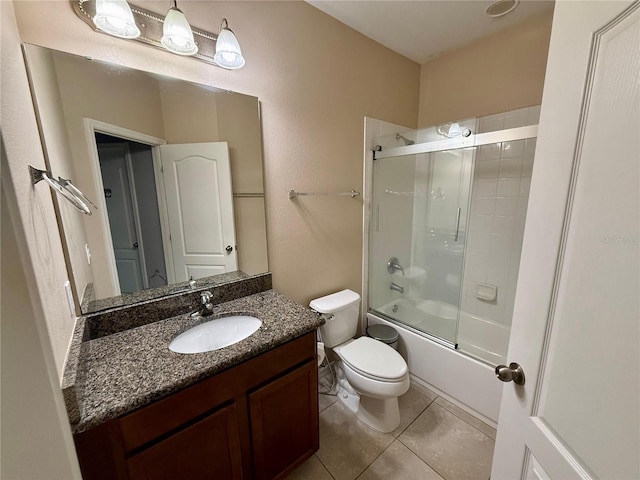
{"points": [[512, 372], [135, 245], [229, 249]]}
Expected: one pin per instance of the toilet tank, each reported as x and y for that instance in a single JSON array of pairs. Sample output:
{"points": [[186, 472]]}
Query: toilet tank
{"points": [[340, 311]]}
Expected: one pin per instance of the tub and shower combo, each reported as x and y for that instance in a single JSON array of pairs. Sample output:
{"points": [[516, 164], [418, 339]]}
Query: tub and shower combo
{"points": [[444, 220]]}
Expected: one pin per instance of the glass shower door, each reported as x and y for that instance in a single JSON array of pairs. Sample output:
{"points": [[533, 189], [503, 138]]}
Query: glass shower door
{"points": [[417, 240]]}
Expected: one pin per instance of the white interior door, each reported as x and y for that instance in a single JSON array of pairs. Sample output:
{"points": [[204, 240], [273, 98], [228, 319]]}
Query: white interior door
{"points": [[577, 313], [199, 200], [122, 216]]}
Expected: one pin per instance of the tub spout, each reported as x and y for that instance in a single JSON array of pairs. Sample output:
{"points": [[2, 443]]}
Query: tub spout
{"points": [[397, 288]]}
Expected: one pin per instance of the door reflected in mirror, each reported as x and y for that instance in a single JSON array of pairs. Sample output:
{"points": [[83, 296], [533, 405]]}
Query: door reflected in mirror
{"points": [[175, 169]]}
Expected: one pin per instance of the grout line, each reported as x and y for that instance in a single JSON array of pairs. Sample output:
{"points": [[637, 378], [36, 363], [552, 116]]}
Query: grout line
{"points": [[421, 412], [465, 421], [423, 460], [324, 466], [372, 461]]}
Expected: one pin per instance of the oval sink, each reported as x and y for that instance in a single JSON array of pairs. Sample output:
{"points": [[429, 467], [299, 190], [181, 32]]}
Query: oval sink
{"points": [[215, 334]]}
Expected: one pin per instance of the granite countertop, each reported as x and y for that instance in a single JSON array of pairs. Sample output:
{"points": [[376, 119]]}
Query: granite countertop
{"points": [[91, 305], [127, 370]]}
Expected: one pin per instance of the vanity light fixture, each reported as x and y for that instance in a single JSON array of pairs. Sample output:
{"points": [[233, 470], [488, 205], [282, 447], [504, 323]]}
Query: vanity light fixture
{"points": [[177, 36], [172, 33], [228, 53], [115, 18], [452, 130]]}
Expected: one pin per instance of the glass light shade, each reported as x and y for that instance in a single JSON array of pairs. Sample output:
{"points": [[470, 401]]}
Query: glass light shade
{"points": [[177, 36], [115, 18], [228, 53], [454, 130]]}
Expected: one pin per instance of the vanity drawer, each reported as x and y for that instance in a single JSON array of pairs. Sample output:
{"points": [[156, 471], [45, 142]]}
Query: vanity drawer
{"points": [[164, 417], [209, 448]]}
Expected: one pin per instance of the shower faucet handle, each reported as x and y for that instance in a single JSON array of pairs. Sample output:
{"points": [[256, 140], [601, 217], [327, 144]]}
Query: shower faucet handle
{"points": [[393, 264]]}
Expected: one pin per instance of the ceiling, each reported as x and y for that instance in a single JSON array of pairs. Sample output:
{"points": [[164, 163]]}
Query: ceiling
{"points": [[422, 29]]}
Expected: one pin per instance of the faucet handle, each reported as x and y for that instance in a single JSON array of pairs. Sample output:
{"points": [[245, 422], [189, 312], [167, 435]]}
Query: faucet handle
{"points": [[393, 264], [205, 297]]}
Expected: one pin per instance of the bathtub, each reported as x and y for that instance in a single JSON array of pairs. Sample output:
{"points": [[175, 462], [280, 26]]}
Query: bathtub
{"points": [[463, 380], [429, 316], [483, 339]]}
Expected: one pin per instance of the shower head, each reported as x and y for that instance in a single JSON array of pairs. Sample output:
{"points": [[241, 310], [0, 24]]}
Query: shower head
{"points": [[404, 139]]}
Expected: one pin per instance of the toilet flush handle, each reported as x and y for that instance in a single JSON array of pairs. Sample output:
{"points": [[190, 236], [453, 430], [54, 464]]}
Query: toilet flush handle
{"points": [[512, 372]]}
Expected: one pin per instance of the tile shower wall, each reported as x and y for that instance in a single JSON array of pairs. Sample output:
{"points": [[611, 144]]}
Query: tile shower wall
{"points": [[499, 199], [442, 183]]}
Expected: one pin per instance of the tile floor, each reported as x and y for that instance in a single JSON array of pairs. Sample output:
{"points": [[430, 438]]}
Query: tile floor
{"points": [[435, 440]]}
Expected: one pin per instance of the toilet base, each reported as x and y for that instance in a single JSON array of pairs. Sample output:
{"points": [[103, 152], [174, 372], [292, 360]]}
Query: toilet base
{"points": [[380, 414]]}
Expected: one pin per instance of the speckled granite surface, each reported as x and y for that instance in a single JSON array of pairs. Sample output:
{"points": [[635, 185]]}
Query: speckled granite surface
{"points": [[70, 375], [119, 319], [121, 372], [90, 305]]}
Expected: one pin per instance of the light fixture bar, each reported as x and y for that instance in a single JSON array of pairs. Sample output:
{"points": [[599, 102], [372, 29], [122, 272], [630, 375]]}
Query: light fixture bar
{"points": [[150, 25]]}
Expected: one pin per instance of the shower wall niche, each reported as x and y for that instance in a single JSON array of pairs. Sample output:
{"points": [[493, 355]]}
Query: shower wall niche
{"points": [[452, 213]]}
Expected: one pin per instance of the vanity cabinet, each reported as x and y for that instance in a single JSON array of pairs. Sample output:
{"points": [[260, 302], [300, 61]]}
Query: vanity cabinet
{"points": [[210, 448], [258, 420]]}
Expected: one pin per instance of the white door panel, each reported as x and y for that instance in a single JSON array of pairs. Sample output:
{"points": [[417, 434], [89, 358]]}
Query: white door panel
{"points": [[576, 329], [129, 274], [197, 183], [201, 271]]}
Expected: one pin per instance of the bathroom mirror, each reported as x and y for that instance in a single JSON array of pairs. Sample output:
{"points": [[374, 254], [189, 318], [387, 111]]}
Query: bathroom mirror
{"points": [[174, 169]]}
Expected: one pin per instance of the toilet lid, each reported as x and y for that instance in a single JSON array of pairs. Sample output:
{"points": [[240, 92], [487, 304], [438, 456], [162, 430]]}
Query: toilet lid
{"points": [[374, 358]]}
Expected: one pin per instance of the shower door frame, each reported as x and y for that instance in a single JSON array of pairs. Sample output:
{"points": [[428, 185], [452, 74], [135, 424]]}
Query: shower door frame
{"points": [[378, 153]]}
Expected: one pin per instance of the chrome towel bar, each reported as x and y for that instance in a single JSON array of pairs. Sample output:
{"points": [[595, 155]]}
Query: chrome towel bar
{"points": [[248, 195], [408, 194], [293, 194]]}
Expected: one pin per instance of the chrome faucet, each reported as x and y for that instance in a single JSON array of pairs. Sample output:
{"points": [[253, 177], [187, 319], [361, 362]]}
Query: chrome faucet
{"points": [[189, 287], [206, 307], [396, 287], [393, 264]]}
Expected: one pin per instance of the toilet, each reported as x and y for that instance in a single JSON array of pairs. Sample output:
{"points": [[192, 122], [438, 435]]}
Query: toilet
{"points": [[371, 375]]}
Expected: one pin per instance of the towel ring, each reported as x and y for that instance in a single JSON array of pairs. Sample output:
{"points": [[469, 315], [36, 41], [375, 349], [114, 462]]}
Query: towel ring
{"points": [[37, 175], [65, 183]]}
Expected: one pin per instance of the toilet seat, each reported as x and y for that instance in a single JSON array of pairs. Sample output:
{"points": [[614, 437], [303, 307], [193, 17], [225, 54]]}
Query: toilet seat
{"points": [[373, 359]]}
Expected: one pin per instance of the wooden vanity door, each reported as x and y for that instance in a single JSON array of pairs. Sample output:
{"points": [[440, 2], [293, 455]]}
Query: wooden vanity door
{"points": [[284, 422], [210, 448]]}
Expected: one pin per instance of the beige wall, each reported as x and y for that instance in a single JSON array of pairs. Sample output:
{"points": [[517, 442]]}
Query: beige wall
{"points": [[36, 213], [58, 150], [496, 74], [316, 80], [35, 323], [35, 438], [178, 104], [239, 125]]}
